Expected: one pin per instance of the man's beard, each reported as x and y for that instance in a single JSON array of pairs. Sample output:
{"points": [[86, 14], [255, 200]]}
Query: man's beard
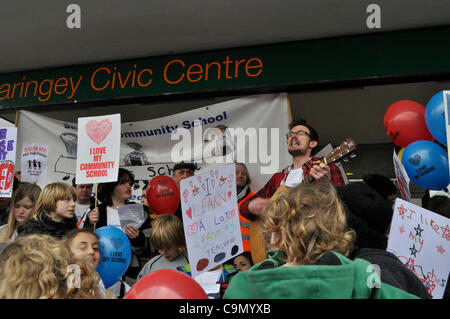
{"points": [[297, 152]]}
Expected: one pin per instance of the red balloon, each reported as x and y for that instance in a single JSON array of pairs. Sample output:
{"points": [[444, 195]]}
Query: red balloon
{"points": [[166, 284], [163, 195], [404, 123]]}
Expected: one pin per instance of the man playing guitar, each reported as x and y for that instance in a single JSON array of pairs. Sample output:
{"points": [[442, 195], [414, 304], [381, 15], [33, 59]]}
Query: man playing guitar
{"points": [[301, 139]]}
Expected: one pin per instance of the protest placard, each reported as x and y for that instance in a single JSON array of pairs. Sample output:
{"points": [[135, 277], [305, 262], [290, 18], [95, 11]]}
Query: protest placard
{"points": [[34, 163], [98, 149], [211, 218], [402, 178], [8, 137], [421, 240]]}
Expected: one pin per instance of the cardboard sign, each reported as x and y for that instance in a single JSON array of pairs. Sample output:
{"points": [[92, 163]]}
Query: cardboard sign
{"points": [[210, 218], [421, 240], [402, 178], [98, 149], [34, 163], [8, 137]]}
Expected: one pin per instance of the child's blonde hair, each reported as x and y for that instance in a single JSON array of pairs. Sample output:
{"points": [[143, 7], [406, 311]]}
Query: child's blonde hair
{"points": [[307, 221], [168, 232], [51, 194], [39, 266], [25, 190]]}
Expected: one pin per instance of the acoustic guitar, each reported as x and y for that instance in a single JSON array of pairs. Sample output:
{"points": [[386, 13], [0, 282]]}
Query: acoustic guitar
{"points": [[258, 245]]}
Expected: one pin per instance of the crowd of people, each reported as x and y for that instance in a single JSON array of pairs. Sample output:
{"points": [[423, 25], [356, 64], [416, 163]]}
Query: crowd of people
{"points": [[318, 235]]}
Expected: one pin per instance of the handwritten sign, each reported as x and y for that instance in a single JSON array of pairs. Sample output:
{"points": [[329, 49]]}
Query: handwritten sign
{"points": [[34, 163], [98, 150], [421, 240], [210, 218], [8, 137], [402, 178]]}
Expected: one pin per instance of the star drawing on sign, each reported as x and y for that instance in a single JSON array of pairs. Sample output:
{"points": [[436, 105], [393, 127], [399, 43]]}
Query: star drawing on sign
{"points": [[413, 250], [418, 230], [195, 190], [222, 181]]}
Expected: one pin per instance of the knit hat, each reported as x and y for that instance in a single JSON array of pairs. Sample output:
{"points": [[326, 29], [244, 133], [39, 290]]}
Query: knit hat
{"points": [[368, 214], [381, 184]]}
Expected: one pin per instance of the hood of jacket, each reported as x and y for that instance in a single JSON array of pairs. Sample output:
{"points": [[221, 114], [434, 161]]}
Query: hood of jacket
{"points": [[341, 278]]}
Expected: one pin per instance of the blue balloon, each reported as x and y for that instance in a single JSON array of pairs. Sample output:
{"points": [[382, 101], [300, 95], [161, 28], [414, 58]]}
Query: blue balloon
{"points": [[435, 117], [115, 254], [426, 164]]}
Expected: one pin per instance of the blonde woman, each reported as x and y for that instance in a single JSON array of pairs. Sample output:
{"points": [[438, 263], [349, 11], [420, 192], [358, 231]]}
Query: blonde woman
{"points": [[307, 224], [41, 267], [54, 213], [22, 206]]}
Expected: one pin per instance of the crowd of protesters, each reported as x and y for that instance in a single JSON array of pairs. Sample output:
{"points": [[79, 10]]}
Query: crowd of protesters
{"points": [[320, 236]]}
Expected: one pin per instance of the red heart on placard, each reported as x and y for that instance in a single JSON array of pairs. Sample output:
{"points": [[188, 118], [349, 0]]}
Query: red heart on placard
{"points": [[189, 212], [229, 194], [96, 131]]}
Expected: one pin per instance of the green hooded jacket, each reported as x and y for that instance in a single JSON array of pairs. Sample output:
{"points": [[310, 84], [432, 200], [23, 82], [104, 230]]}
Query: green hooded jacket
{"points": [[355, 279]]}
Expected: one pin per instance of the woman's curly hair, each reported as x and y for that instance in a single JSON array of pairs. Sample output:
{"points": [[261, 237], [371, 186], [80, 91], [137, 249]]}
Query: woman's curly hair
{"points": [[307, 221], [39, 267]]}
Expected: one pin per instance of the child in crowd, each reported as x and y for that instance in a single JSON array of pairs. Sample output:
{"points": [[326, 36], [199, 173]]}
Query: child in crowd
{"points": [[54, 213], [84, 245], [307, 224], [168, 238], [243, 261], [36, 267], [113, 195], [22, 206]]}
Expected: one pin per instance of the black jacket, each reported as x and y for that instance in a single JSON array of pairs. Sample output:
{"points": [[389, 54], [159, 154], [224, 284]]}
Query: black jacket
{"points": [[393, 271], [48, 227]]}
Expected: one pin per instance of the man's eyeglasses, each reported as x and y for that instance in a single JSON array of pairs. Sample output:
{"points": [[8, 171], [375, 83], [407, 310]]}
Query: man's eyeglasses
{"points": [[298, 133]]}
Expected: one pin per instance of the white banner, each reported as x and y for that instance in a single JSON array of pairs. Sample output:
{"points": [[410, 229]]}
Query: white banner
{"points": [[98, 154], [211, 218], [421, 240], [262, 119], [34, 164], [8, 148]]}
